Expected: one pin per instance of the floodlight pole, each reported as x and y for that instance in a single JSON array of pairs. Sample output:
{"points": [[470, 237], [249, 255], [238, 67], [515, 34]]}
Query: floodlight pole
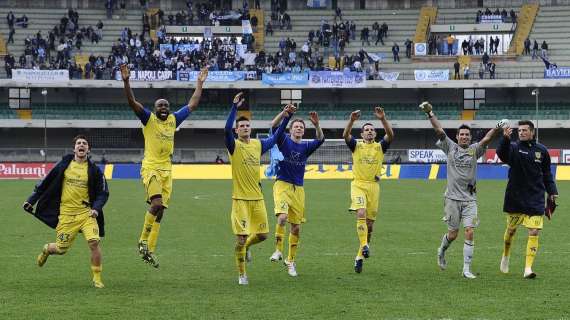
{"points": [[44, 93], [536, 92]]}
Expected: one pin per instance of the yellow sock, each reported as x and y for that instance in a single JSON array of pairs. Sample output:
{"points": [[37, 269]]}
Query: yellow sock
{"points": [[251, 240], [153, 237], [240, 258], [531, 249], [293, 244], [508, 239], [96, 270], [279, 235], [148, 221], [362, 231]]}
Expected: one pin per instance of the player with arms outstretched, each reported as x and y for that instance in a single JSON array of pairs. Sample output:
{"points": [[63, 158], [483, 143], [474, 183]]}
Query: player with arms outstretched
{"points": [[248, 216], [367, 158], [288, 191], [158, 130], [460, 195]]}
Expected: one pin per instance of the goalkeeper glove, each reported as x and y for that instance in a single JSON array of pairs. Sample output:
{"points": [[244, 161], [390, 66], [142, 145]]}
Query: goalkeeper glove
{"points": [[426, 107], [550, 207], [503, 123]]}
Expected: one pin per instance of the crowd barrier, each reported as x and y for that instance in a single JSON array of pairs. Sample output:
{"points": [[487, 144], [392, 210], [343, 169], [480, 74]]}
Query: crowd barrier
{"points": [[317, 171]]}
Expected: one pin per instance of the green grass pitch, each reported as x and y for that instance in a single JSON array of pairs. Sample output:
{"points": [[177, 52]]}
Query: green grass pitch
{"points": [[197, 278]]}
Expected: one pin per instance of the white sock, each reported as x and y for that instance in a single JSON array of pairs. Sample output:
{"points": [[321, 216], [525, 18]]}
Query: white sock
{"points": [[445, 243], [468, 247]]}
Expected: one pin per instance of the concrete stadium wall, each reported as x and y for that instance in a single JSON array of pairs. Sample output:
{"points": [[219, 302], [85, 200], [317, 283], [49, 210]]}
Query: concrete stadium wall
{"points": [[272, 96]]}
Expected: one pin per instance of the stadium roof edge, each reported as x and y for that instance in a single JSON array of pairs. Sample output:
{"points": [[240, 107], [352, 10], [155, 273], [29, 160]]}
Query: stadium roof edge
{"points": [[370, 84]]}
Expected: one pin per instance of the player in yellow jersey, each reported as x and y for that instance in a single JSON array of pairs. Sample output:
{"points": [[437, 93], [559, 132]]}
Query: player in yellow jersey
{"points": [[71, 199], [158, 130], [367, 157], [248, 216]]}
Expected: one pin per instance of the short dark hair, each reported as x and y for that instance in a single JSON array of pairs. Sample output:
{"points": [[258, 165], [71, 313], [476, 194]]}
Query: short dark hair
{"points": [[464, 126], [242, 118], [366, 124], [527, 123], [83, 137], [297, 120]]}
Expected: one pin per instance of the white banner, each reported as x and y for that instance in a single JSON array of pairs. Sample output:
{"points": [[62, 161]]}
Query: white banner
{"points": [[375, 57], [565, 156], [241, 49], [246, 25], [432, 75], [249, 59], [420, 49], [337, 79], [426, 155], [389, 76], [317, 3], [31, 75]]}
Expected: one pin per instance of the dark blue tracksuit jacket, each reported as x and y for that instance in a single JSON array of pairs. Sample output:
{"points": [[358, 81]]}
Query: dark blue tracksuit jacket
{"points": [[529, 176], [47, 193]]}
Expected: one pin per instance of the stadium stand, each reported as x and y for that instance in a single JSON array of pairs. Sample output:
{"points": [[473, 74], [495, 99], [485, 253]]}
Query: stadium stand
{"points": [[550, 25], [45, 19]]}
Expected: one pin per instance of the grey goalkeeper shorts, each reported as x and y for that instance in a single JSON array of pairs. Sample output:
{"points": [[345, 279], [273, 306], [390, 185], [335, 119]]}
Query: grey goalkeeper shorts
{"points": [[457, 211]]}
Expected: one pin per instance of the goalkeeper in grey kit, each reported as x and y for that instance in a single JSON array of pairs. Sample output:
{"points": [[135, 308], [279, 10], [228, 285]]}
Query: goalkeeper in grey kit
{"points": [[460, 205]]}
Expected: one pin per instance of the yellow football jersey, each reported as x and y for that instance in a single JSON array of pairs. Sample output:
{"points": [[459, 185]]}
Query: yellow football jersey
{"points": [[367, 161], [75, 192], [159, 142], [245, 170]]}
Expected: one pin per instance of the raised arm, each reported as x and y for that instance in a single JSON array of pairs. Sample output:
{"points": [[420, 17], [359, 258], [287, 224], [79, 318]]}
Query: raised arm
{"points": [[350, 142], [228, 132], [195, 99], [492, 133], [290, 109], [133, 103], [279, 135], [427, 108], [379, 113], [314, 117], [504, 148], [355, 115]]}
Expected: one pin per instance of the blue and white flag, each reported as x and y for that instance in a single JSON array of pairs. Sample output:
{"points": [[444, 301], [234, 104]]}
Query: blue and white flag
{"points": [[285, 78], [317, 3]]}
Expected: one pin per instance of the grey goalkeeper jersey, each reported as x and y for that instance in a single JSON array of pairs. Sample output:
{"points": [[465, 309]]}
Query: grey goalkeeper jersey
{"points": [[461, 169]]}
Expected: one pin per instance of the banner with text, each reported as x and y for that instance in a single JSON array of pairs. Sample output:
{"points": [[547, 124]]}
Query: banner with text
{"points": [[431, 75], [426, 155], [16, 170], [217, 76], [565, 156], [557, 73], [317, 3], [31, 75], [285, 78], [148, 75], [337, 79], [389, 76]]}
